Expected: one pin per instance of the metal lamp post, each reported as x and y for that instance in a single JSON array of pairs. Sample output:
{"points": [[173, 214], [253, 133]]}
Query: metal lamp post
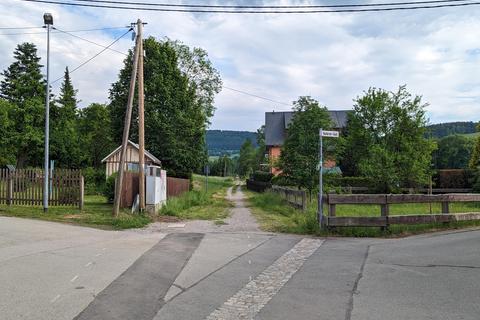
{"points": [[48, 21]]}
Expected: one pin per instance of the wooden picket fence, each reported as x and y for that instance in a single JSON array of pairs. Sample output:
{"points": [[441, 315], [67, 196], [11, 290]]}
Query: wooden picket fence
{"points": [[25, 187]]}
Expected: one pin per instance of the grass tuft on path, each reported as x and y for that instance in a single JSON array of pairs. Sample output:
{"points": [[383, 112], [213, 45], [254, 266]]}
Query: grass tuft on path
{"points": [[274, 214], [200, 204], [97, 213]]}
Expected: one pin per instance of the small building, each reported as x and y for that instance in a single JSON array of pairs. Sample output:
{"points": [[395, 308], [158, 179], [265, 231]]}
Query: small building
{"points": [[276, 125], [112, 161]]}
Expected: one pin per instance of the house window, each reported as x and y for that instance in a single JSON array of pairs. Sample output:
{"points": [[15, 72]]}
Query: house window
{"points": [[132, 167]]}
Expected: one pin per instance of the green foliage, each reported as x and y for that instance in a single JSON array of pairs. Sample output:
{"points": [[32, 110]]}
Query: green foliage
{"points": [[474, 162], [7, 147], [198, 203], [385, 140], [203, 77], [64, 136], [24, 87], [224, 166], [453, 152], [246, 161], [109, 190], [94, 180], [299, 158], [262, 176], [176, 110], [95, 132], [339, 181], [441, 130], [96, 213]]}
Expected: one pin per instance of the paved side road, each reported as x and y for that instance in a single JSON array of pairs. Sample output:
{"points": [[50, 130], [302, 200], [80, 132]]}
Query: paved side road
{"points": [[55, 271]]}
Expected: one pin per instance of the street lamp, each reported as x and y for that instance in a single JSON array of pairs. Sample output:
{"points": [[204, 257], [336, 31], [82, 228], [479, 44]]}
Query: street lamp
{"points": [[48, 21]]}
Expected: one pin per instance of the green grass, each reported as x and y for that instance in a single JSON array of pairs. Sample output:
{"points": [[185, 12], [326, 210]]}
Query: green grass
{"points": [[471, 135], [275, 215], [96, 213], [200, 204]]}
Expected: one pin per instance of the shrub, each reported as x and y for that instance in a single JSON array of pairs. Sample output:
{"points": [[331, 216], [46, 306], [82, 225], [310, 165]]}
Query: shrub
{"points": [[109, 189], [339, 181], [453, 178], [94, 180], [262, 176]]}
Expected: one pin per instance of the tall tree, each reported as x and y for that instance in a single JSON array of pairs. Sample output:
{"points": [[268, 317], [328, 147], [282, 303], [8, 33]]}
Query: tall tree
{"points": [[7, 146], [386, 139], [65, 141], [175, 122], [95, 132], [202, 76], [261, 149], [23, 86], [246, 161], [299, 158]]}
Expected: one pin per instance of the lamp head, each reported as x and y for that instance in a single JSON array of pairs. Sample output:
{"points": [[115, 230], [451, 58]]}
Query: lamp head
{"points": [[48, 19]]}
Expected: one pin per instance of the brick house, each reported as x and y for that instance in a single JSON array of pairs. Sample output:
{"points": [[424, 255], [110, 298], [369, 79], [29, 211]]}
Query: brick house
{"points": [[276, 124]]}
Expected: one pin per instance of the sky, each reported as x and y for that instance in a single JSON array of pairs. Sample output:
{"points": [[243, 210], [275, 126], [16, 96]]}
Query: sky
{"points": [[332, 57]]}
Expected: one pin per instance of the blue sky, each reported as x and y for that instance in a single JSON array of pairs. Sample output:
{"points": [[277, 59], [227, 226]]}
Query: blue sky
{"points": [[332, 57]]}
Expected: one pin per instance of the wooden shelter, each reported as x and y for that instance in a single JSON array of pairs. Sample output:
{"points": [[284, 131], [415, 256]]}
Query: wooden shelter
{"points": [[112, 161]]}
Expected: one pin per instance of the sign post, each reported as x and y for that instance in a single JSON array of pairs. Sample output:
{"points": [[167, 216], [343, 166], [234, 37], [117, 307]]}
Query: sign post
{"points": [[330, 134]]}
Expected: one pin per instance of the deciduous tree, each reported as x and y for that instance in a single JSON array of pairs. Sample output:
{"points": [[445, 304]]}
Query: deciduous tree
{"points": [[386, 139], [299, 158]]}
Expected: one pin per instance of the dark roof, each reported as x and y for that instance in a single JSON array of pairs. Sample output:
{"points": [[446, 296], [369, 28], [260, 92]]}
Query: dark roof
{"points": [[276, 124]]}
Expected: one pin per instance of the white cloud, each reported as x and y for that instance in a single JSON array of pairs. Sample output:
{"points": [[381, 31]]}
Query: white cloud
{"points": [[332, 57]]}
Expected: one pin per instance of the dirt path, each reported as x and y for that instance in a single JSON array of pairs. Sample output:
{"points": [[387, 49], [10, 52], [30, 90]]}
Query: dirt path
{"points": [[239, 220]]}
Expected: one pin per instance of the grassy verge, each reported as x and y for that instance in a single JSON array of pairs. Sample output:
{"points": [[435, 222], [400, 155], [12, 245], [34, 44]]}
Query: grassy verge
{"points": [[275, 215], [97, 213], [200, 203]]}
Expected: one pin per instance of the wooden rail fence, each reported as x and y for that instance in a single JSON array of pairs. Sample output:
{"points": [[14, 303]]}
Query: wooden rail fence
{"points": [[296, 198], [25, 187], [385, 200]]}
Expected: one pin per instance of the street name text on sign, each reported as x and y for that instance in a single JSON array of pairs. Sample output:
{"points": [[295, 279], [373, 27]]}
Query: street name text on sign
{"points": [[331, 134]]}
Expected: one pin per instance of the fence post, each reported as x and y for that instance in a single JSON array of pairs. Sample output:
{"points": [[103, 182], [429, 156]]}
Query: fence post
{"points": [[10, 188], [445, 207], [384, 212], [82, 192]]}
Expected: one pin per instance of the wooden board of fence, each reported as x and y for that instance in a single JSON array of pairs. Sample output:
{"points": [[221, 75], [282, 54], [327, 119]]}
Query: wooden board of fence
{"points": [[25, 187], [385, 200], [296, 198], [177, 186]]}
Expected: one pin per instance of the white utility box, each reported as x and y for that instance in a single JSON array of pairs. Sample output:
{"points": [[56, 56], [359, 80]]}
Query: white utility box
{"points": [[156, 188]]}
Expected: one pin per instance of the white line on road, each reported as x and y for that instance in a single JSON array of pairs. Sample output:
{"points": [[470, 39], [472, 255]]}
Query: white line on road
{"points": [[88, 264], [247, 302], [74, 278], [55, 299]]}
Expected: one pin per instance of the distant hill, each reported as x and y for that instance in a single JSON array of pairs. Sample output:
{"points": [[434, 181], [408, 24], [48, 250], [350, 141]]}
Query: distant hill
{"points": [[221, 142], [441, 130]]}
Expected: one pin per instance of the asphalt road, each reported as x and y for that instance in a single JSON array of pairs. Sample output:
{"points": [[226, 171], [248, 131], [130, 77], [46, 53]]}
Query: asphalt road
{"points": [[56, 271]]}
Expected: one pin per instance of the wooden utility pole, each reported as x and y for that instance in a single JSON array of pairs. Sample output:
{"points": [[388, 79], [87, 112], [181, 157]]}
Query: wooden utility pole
{"points": [[141, 119], [126, 130]]}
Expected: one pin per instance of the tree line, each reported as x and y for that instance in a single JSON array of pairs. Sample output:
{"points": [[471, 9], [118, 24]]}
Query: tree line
{"points": [[180, 86]]}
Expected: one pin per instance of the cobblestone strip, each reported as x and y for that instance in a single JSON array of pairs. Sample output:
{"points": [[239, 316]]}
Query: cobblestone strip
{"points": [[247, 302]]}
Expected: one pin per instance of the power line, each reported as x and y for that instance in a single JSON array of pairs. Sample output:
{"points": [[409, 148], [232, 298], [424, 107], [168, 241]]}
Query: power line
{"points": [[90, 41], [149, 4], [193, 10], [257, 96], [16, 28], [96, 55], [82, 30]]}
